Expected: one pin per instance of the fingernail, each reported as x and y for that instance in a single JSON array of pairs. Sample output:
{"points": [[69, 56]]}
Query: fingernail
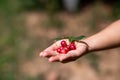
{"points": [[61, 59], [44, 55], [50, 60], [41, 54]]}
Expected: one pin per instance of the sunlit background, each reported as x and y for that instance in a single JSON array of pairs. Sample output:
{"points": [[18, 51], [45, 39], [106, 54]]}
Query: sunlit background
{"points": [[29, 26]]}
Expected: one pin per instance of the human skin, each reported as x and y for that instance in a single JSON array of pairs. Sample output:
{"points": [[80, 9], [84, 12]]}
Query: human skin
{"points": [[105, 39]]}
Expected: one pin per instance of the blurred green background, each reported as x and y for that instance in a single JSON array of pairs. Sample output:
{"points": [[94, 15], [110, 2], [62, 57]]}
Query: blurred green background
{"points": [[28, 26]]}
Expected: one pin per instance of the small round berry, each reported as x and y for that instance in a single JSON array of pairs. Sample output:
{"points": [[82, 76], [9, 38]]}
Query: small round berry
{"points": [[61, 47], [63, 51], [58, 50], [72, 43], [66, 49], [63, 43], [72, 47]]}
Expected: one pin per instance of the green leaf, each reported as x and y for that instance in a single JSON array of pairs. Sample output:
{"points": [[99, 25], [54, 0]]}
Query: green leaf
{"points": [[71, 38], [79, 37]]}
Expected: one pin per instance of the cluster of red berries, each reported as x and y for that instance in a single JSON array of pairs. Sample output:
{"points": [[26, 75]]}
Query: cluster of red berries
{"points": [[64, 48]]}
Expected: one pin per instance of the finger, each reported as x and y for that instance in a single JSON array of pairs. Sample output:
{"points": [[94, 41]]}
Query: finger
{"points": [[54, 58], [72, 55], [50, 48], [49, 53], [41, 53]]}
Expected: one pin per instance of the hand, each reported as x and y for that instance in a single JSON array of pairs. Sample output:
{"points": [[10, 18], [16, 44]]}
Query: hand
{"points": [[72, 55]]}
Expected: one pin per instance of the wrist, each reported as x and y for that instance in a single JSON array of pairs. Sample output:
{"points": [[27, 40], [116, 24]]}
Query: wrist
{"points": [[84, 44]]}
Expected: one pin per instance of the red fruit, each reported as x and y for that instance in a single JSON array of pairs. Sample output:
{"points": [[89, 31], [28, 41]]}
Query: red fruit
{"points": [[61, 47], [66, 49], [58, 50], [63, 51], [72, 46], [72, 43], [63, 43]]}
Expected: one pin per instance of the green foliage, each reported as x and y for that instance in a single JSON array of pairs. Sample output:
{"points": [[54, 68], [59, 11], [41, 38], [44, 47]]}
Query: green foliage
{"points": [[52, 6], [116, 10], [80, 37], [12, 36], [72, 38], [32, 5]]}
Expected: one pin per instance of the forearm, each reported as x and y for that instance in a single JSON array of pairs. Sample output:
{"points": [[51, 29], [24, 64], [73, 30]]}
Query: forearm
{"points": [[107, 38]]}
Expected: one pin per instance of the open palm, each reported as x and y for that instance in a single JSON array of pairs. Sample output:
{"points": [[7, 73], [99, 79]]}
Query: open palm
{"points": [[72, 55]]}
